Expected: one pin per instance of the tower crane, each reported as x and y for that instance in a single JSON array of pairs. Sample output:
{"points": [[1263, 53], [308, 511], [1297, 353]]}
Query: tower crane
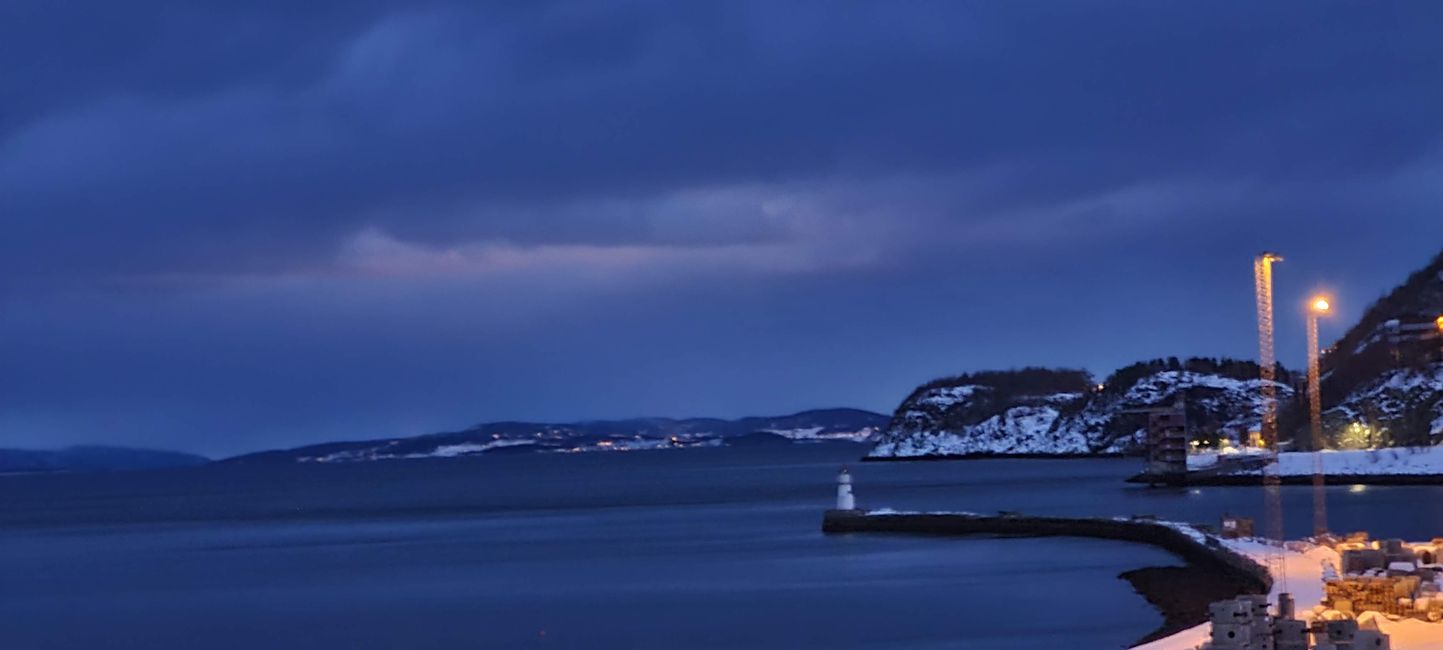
{"points": [[1267, 365]]}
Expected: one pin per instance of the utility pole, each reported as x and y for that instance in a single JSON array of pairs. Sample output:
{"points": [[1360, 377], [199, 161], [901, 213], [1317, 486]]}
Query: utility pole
{"points": [[1318, 307]]}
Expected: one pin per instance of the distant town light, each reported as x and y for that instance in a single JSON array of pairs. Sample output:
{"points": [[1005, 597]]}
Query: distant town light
{"points": [[1440, 323]]}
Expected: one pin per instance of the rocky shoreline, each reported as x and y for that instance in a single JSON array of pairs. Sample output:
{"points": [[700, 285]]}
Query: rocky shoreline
{"points": [[1182, 594]]}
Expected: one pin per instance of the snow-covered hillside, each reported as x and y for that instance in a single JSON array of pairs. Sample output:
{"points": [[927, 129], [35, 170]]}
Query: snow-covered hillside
{"points": [[1382, 386], [614, 435], [1029, 429], [1398, 407], [965, 420]]}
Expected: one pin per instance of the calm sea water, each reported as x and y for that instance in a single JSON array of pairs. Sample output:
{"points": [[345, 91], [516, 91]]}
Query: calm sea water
{"points": [[705, 548]]}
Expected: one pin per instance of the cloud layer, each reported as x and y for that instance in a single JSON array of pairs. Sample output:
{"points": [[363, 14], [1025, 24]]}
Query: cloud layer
{"points": [[234, 224]]}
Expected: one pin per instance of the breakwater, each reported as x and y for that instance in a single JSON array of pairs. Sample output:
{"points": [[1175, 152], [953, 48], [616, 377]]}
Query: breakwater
{"points": [[1183, 603]]}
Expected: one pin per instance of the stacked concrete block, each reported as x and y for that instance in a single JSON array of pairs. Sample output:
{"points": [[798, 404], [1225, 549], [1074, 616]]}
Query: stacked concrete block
{"points": [[1349, 635], [1363, 560], [1233, 627], [1262, 631], [1372, 593], [1396, 552], [1244, 623], [1290, 634], [1371, 640]]}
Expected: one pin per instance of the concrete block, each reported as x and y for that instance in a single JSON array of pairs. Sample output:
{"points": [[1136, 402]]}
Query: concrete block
{"points": [[1291, 635], [1340, 632], [1231, 636], [1357, 561]]}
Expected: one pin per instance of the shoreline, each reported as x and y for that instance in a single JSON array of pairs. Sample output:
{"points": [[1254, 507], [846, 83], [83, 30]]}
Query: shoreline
{"points": [[1193, 478], [1255, 480], [1181, 595], [991, 456]]}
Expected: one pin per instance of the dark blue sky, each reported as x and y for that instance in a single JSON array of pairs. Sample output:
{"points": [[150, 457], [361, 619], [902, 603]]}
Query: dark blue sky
{"points": [[232, 225]]}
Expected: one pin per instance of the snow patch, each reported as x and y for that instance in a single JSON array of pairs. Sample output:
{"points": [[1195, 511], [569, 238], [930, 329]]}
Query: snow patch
{"points": [[949, 396], [1054, 424], [1018, 430], [1412, 461], [821, 433]]}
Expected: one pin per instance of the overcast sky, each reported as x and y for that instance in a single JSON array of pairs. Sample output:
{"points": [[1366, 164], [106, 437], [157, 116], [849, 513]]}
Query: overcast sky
{"points": [[235, 225]]}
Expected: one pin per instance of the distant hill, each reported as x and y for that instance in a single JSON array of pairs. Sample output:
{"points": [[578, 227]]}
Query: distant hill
{"points": [[602, 435], [1039, 411], [1383, 379], [93, 459], [1382, 386]]}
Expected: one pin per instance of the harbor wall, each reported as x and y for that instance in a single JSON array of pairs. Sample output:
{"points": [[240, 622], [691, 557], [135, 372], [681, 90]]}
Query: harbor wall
{"points": [[1196, 549]]}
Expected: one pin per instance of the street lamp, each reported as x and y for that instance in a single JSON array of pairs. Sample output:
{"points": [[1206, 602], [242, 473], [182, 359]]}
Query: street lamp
{"points": [[1439, 322], [1318, 306]]}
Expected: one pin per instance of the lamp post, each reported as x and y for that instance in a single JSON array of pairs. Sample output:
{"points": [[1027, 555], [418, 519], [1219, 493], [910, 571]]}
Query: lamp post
{"points": [[1439, 322], [1319, 306]]}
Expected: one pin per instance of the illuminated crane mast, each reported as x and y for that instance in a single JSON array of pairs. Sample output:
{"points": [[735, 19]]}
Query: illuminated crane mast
{"points": [[1267, 364], [1318, 307]]}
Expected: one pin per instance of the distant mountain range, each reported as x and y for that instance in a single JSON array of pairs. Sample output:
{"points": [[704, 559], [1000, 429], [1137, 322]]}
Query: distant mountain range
{"points": [[93, 459], [852, 425]]}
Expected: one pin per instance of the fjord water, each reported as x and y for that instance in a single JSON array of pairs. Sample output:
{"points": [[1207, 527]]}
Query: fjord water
{"points": [[701, 548]]}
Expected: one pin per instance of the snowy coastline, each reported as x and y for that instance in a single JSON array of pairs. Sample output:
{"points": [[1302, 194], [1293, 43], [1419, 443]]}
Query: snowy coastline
{"points": [[1393, 461]]}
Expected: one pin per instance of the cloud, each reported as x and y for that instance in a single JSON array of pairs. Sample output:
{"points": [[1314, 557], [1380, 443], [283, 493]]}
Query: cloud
{"points": [[224, 189], [444, 122]]}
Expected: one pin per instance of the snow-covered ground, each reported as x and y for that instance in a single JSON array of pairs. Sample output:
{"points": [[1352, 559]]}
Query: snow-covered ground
{"points": [[1300, 573], [819, 433], [1296, 570], [1412, 461], [1206, 459]]}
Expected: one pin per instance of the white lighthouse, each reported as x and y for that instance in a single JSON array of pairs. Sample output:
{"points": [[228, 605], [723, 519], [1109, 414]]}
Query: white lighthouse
{"points": [[845, 500]]}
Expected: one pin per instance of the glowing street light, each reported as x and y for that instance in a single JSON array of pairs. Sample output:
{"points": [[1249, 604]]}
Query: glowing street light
{"points": [[1439, 322], [1318, 306]]}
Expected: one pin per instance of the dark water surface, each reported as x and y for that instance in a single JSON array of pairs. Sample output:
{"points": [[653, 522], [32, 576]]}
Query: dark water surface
{"points": [[703, 548]]}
